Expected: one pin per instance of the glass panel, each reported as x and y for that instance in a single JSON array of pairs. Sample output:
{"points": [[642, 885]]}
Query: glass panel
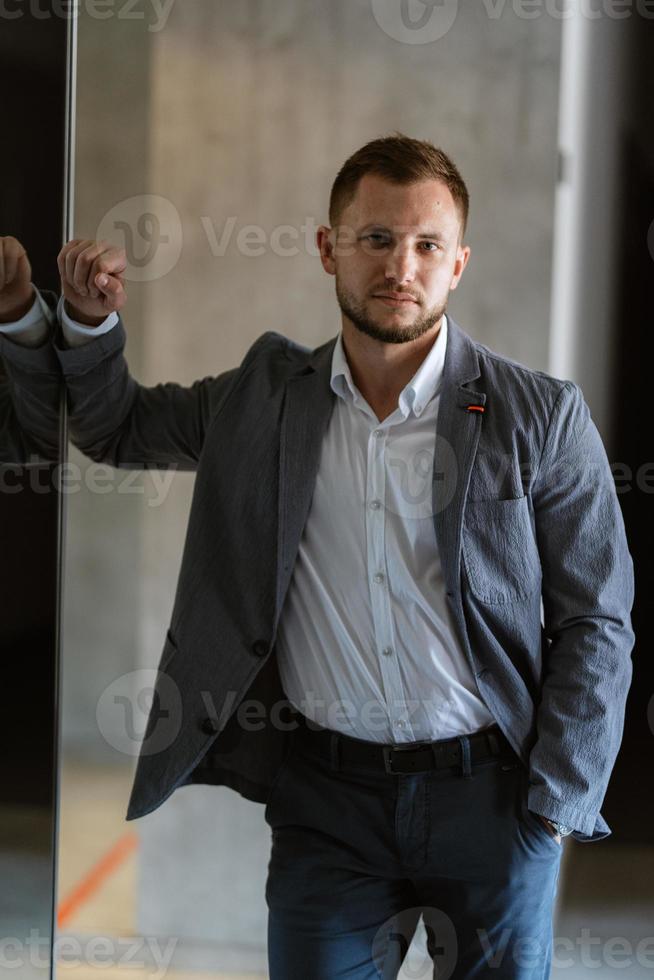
{"points": [[35, 64], [207, 152]]}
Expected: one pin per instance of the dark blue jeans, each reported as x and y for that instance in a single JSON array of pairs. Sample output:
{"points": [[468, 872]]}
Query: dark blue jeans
{"points": [[358, 855]]}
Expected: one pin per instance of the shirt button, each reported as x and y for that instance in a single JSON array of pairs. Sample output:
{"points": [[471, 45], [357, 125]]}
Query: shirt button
{"points": [[378, 577], [399, 724], [379, 433], [375, 504], [387, 651]]}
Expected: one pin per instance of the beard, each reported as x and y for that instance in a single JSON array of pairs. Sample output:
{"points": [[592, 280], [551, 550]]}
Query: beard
{"points": [[357, 313]]}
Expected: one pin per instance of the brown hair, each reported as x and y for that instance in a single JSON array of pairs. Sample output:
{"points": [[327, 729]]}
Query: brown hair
{"points": [[401, 160]]}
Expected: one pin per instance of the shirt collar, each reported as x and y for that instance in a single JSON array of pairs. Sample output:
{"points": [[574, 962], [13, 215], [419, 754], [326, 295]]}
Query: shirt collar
{"points": [[415, 395]]}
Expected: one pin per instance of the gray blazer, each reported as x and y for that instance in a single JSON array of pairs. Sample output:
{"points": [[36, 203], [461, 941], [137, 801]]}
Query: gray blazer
{"points": [[30, 401], [526, 519]]}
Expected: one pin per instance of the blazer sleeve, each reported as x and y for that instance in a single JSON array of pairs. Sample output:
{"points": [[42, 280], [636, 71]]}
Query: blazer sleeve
{"points": [[114, 419], [31, 389], [587, 591]]}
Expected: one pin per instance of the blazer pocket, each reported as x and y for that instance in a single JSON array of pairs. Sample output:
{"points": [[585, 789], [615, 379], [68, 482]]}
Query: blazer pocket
{"points": [[500, 555]]}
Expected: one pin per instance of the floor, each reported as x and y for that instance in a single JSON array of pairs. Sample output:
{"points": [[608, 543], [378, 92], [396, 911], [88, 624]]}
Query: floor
{"points": [[97, 888], [604, 924]]}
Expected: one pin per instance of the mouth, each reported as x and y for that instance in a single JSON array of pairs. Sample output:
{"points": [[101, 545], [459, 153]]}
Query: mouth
{"points": [[394, 299]]}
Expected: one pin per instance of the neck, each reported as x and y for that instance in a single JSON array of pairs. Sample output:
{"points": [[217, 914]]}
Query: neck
{"points": [[380, 370]]}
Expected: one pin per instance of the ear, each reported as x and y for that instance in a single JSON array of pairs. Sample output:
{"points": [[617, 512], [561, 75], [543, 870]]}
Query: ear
{"points": [[462, 256], [325, 239]]}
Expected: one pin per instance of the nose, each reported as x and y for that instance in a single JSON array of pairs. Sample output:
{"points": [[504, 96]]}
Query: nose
{"points": [[400, 265]]}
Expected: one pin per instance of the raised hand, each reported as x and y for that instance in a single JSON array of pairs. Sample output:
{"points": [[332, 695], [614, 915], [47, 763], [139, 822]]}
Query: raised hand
{"points": [[92, 279]]}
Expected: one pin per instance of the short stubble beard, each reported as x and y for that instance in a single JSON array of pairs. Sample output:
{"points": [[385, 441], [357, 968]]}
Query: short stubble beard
{"points": [[356, 312]]}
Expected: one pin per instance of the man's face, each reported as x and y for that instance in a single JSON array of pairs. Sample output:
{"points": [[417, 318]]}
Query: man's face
{"points": [[395, 239]]}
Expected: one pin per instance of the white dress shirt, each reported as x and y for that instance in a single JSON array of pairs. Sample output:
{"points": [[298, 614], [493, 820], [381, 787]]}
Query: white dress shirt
{"points": [[33, 328], [365, 644]]}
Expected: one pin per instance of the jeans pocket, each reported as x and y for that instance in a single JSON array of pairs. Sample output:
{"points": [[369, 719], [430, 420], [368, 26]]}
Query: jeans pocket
{"points": [[531, 820]]}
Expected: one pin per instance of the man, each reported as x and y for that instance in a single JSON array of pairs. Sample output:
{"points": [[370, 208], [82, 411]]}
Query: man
{"points": [[471, 736]]}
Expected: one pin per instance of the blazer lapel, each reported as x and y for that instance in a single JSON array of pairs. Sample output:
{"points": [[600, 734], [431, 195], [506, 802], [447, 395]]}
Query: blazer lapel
{"points": [[457, 436], [308, 403]]}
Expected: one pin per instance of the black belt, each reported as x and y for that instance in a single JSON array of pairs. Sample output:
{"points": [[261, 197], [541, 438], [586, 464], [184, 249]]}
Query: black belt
{"points": [[409, 758]]}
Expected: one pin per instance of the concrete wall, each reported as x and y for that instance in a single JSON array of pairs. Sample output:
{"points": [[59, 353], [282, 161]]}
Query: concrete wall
{"points": [[252, 109]]}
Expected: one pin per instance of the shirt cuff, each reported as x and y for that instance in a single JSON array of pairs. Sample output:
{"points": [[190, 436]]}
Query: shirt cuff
{"points": [[32, 329], [77, 334]]}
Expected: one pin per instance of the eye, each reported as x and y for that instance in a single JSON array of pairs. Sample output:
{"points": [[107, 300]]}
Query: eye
{"points": [[435, 244], [377, 239]]}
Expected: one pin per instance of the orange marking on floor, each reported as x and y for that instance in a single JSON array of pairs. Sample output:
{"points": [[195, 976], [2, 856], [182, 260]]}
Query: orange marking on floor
{"points": [[96, 877]]}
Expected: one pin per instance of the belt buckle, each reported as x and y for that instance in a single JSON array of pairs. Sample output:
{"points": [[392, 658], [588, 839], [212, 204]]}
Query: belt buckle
{"points": [[388, 759]]}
